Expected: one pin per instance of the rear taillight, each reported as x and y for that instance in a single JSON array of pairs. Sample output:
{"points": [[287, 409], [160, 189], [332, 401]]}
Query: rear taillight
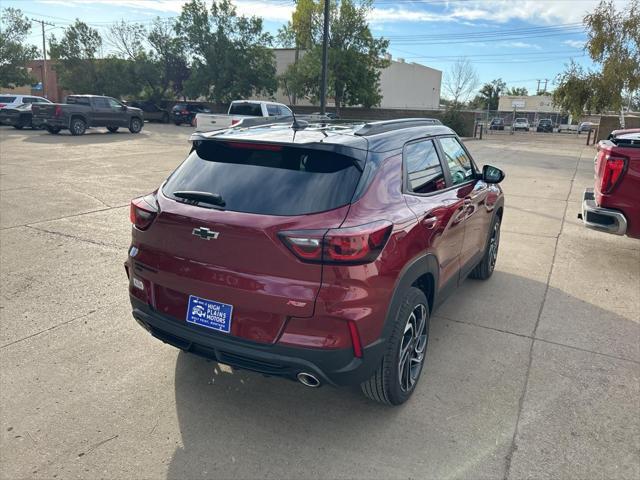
{"points": [[2, 105], [353, 245], [143, 211], [235, 121], [184, 112], [611, 172], [58, 111]]}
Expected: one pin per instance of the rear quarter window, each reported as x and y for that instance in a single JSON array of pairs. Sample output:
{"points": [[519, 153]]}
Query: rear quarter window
{"points": [[273, 181], [248, 109]]}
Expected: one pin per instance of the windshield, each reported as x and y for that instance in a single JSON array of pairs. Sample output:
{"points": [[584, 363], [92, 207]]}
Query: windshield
{"points": [[267, 179]]}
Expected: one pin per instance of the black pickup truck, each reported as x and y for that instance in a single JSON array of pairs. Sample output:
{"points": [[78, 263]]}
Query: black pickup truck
{"points": [[83, 111]]}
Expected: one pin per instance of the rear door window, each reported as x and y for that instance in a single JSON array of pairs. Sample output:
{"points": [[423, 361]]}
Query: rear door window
{"points": [[247, 109], [273, 110], [267, 179], [424, 171], [457, 159]]}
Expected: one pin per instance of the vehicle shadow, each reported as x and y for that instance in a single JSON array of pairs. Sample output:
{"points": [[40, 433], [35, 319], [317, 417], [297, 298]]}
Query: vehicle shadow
{"points": [[459, 423], [90, 137]]}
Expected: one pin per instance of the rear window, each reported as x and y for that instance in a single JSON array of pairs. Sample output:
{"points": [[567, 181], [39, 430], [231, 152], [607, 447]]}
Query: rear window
{"points": [[179, 106], [7, 99], [273, 181], [248, 109]]}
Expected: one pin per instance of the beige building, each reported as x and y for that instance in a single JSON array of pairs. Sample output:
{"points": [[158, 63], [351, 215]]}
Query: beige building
{"points": [[530, 103], [403, 85]]}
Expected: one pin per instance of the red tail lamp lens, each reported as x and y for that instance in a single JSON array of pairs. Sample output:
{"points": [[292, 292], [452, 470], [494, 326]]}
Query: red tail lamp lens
{"points": [[353, 245], [143, 211], [613, 169], [355, 339], [58, 111]]}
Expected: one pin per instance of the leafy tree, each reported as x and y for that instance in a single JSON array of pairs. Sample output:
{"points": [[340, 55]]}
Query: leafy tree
{"points": [[460, 81], [517, 91], [75, 56], [489, 94], [14, 52], [159, 70], [614, 43], [355, 56], [231, 58]]}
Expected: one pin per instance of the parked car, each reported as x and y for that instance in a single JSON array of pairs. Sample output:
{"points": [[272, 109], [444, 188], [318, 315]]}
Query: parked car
{"points": [[586, 127], [13, 101], [520, 124], [545, 125], [83, 111], [329, 115], [239, 112], [613, 205], [496, 124], [152, 112], [186, 112], [567, 127], [18, 117], [316, 254]]}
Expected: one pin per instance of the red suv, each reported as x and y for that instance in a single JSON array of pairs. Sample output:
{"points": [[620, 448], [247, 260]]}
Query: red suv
{"points": [[614, 205], [314, 252]]}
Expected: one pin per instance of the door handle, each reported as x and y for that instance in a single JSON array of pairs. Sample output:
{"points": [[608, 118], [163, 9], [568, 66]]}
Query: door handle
{"points": [[430, 222]]}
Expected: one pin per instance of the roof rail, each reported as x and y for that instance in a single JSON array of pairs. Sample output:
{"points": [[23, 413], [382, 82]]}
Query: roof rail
{"points": [[373, 128]]}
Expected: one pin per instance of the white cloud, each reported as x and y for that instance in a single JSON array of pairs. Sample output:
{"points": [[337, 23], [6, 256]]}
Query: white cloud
{"points": [[574, 43], [521, 45]]}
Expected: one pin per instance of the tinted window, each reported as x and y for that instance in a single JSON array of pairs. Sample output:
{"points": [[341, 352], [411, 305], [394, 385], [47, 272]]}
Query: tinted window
{"points": [[286, 111], [78, 100], [179, 106], [423, 166], [101, 103], [284, 181], [457, 159], [29, 99], [248, 109], [113, 103], [273, 110], [7, 99]]}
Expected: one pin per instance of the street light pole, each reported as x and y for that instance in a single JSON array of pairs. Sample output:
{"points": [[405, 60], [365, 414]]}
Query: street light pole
{"points": [[325, 59]]}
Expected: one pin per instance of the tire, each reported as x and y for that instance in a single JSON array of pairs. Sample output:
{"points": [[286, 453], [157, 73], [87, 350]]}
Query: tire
{"points": [[396, 378], [136, 125], [78, 126], [165, 118], [113, 129], [178, 123], [19, 126], [53, 130], [485, 268]]}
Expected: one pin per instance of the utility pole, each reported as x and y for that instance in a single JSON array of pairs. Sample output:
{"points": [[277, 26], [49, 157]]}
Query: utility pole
{"points": [[538, 87], [325, 60], [545, 85], [44, 55]]}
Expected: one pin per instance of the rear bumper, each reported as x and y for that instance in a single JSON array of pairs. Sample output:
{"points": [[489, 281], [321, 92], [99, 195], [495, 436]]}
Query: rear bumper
{"points": [[603, 219], [335, 367]]}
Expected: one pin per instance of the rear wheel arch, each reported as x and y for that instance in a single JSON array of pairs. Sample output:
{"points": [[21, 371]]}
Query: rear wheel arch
{"points": [[422, 273]]}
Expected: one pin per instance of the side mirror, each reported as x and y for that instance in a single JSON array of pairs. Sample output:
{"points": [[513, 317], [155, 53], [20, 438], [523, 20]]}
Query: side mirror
{"points": [[492, 174], [123, 107]]}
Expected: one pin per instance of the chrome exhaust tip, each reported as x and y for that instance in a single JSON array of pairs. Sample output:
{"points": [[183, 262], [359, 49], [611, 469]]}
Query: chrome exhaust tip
{"points": [[308, 380]]}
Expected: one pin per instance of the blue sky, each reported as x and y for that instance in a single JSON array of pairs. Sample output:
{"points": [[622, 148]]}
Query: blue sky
{"points": [[520, 41]]}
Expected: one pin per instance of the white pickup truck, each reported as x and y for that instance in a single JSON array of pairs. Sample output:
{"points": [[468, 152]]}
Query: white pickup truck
{"points": [[239, 112]]}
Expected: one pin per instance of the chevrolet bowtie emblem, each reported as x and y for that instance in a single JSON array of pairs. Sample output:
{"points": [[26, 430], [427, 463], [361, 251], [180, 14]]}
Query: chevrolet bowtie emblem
{"points": [[205, 234]]}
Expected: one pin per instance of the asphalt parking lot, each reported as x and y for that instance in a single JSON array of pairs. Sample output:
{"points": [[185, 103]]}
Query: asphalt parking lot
{"points": [[532, 374]]}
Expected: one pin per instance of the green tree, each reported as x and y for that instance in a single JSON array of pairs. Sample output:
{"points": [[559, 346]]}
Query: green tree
{"points": [[614, 43], [15, 53], [517, 91], [489, 94], [355, 57], [231, 58], [75, 56]]}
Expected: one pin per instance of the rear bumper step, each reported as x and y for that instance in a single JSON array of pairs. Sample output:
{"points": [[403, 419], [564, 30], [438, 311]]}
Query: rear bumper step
{"points": [[603, 219], [334, 367]]}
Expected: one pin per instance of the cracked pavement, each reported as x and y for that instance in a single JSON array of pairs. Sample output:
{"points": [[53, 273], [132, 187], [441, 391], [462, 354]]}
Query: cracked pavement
{"points": [[532, 374]]}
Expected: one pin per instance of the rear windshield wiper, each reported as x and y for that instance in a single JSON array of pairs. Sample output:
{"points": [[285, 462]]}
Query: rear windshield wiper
{"points": [[201, 197]]}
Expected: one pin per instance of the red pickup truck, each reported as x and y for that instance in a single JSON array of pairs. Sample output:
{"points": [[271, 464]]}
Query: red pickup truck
{"points": [[614, 204]]}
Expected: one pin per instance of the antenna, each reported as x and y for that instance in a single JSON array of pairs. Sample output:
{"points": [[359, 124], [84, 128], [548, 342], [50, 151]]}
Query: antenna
{"points": [[296, 125]]}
